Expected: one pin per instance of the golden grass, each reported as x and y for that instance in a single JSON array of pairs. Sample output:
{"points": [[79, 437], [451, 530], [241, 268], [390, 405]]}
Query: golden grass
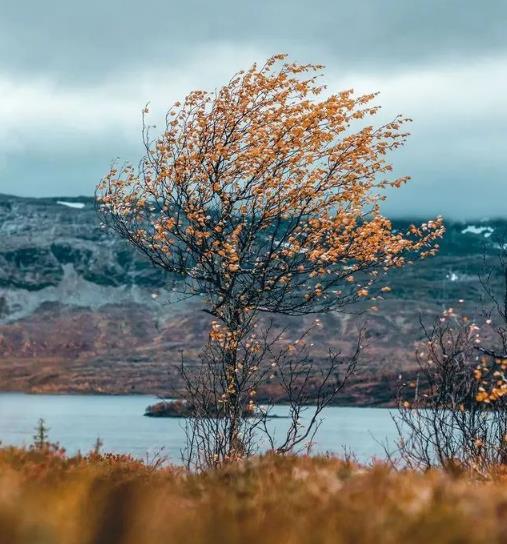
{"points": [[46, 498]]}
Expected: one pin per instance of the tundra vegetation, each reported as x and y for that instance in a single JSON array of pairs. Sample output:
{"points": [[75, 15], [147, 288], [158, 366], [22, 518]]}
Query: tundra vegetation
{"points": [[264, 196], [48, 498]]}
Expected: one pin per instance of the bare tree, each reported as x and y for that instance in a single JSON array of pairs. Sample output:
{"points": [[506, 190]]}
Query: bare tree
{"points": [[283, 373], [454, 414]]}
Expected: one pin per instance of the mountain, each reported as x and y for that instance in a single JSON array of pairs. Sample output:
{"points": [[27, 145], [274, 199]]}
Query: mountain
{"points": [[80, 311]]}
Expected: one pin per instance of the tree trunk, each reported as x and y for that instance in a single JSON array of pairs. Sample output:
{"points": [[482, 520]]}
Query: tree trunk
{"points": [[234, 321]]}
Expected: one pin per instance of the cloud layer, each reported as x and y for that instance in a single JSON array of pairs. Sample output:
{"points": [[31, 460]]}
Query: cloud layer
{"points": [[74, 77]]}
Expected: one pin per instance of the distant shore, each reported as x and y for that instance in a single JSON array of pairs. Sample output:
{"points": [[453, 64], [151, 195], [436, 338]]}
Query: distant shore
{"points": [[151, 397]]}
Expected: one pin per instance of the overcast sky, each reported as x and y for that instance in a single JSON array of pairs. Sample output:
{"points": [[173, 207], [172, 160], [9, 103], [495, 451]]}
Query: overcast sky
{"points": [[74, 76]]}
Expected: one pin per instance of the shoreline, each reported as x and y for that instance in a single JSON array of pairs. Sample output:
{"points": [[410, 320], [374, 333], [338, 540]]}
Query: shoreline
{"points": [[155, 397]]}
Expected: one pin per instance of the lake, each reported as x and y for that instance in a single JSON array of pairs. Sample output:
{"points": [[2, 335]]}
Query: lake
{"points": [[75, 421]]}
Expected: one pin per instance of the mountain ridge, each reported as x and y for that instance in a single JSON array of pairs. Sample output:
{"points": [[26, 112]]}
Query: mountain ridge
{"points": [[81, 311]]}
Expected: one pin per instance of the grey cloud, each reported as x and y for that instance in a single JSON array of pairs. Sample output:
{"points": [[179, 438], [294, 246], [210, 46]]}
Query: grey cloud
{"points": [[81, 41], [78, 72], [71, 172]]}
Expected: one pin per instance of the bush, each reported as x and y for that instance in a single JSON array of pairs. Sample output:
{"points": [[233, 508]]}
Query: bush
{"points": [[52, 499]]}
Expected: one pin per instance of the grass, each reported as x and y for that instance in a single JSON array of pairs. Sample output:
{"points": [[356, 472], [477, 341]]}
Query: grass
{"points": [[47, 498]]}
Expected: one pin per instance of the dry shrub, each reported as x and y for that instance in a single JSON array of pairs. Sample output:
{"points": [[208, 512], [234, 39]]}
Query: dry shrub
{"points": [[271, 499]]}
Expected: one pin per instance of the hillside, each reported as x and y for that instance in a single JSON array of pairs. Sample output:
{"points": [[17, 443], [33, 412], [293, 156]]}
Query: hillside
{"points": [[82, 312]]}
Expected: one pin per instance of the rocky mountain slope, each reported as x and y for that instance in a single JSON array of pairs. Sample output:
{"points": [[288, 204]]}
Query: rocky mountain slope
{"points": [[82, 312]]}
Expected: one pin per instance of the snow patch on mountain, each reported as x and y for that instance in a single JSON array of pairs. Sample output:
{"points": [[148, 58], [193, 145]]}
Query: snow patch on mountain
{"points": [[472, 229], [77, 205]]}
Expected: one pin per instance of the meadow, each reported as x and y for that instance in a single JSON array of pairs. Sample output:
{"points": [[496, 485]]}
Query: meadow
{"points": [[49, 498]]}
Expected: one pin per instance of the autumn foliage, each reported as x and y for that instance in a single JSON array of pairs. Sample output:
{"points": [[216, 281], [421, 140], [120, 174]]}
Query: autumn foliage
{"points": [[264, 196]]}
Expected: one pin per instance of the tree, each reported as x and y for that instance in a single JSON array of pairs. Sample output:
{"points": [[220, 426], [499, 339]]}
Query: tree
{"points": [[264, 199], [289, 374], [40, 438], [454, 414]]}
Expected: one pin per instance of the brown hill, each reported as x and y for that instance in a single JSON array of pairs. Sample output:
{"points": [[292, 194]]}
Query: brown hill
{"points": [[81, 312]]}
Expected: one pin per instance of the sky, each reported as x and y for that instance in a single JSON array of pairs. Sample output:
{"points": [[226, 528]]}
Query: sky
{"points": [[75, 75]]}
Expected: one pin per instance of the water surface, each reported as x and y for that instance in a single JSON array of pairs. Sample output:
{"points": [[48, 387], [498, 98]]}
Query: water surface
{"points": [[76, 421]]}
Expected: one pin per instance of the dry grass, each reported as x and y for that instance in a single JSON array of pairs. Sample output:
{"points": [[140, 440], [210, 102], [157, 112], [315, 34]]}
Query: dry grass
{"points": [[46, 498]]}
